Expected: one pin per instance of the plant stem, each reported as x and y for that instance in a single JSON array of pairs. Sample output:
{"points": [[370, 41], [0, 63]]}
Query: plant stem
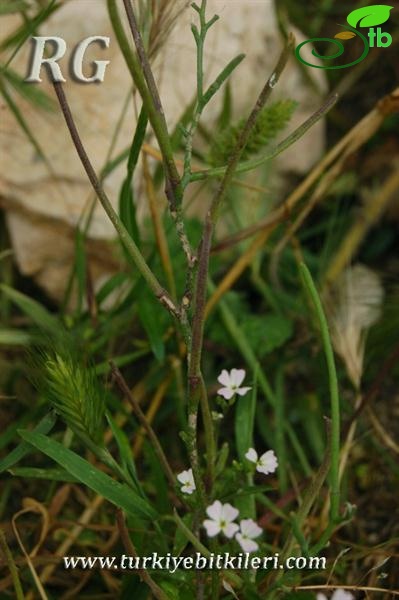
{"points": [[334, 394], [309, 498], [194, 370], [131, 550], [120, 381], [229, 575], [210, 440], [249, 165], [144, 79], [19, 593], [125, 238]]}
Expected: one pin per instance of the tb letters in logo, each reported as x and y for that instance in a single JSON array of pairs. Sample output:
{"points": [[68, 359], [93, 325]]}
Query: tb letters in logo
{"points": [[367, 17]]}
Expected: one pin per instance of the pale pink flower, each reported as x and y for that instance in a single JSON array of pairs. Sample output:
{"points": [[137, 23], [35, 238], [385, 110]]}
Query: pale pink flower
{"points": [[186, 478], [231, 383], [221, 519], [245, 537], [266, 464], [337, 595]]}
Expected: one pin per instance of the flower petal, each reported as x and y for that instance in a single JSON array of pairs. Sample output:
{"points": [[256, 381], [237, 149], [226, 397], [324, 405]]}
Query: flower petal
{"points": [[242, 391], [321, 596], [250, 528], [268, 463], [215, 510], [183, 477], [224, 378], [342, 595], [230, 529], [251, 455], [237, 376], [226, 392], [246, 544], [212, 527], [228, 512]]}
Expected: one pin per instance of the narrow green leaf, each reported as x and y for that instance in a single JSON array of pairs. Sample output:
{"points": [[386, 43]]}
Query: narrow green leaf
{"points": [[127, 211], [221, 78], [125, 453], [48, 474], [244, 421], [22, 121], [112, 284], [39, 315], [227, 109], [14, 337], [120, 361], [32, 93], [80, 266], [19, 37], [149, 317], [181, 541], [138, 140], [44, 426], [113, 491]]}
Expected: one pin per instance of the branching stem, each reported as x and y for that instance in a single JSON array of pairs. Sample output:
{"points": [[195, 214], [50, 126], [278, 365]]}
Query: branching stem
{"points": [[125, 238]]}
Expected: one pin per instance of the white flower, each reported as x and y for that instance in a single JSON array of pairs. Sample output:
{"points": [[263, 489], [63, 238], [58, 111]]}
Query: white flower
{"points": [[266, 464], [337, 595], [221, 519], [186, 478], [231, 383], [248, 531]]}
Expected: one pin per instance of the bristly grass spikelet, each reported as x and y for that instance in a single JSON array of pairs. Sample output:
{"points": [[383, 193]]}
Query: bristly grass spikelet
{"points": [[271, 120], [74, 393]]}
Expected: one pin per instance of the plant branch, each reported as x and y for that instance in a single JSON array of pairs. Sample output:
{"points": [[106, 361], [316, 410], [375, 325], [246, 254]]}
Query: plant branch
{"points": [[212, 215], [144, 79], [125, 238], [334, 393], [312, 492], [194, 369], [131, 550], [249, 165], [124, 388]]}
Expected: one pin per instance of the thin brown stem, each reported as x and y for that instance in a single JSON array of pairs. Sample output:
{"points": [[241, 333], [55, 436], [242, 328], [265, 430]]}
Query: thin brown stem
{"points": [[125, 238], [194, 370], [153, 104], [131, 550], [124, 388]]}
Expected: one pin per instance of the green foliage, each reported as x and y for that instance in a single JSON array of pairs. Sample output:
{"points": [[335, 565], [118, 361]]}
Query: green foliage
{"points": [[117, 493], [265, 329], [271, 120], [264, 333]]}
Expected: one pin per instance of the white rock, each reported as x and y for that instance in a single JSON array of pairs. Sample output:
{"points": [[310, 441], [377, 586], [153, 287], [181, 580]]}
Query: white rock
{"points": [[44, 206]]}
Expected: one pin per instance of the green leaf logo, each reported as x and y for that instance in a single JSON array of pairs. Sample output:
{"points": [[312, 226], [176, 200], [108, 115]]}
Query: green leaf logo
{"points": [[369, 16]]}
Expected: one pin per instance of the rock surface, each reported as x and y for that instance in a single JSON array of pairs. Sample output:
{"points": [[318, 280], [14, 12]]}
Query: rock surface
{"points": [[44, 202]]}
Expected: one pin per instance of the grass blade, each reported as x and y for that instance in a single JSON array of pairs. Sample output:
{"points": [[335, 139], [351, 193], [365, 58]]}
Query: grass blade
{"points": [[45, 425], [117, 493], [39, 315]]}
